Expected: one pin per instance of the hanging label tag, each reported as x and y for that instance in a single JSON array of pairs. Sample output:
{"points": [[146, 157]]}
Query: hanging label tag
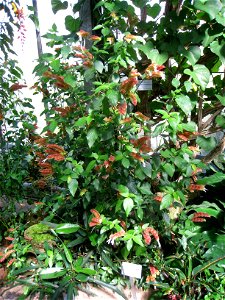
{"points": [[131, 270]]}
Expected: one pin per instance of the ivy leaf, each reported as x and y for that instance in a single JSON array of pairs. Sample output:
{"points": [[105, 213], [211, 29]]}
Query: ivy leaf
{"points": [[200, 75], [145, 48], [192, 54], [58, 5], [128, 205], [221, 99], [219, 50], [72, 24], [211, 7], [92, 136], [153, 11], [184, 102], [65, 51], [156, 57], [176, 82], [220, 17], [220, 120]]}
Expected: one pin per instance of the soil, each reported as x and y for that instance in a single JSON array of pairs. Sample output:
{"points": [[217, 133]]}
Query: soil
{"points": [[13, 293]]}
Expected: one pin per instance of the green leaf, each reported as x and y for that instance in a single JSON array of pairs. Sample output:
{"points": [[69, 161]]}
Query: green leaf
{"points": [[176, 82], [207, 265], [125, 162], [167, 200], [146, 49], [55, 64], [145, 189], [106, 258], [105, 86], [76, 242], [218, 49], [105, 31], [82, 277], [170, 169], [72, 24], [220, 17], [67, 228], [52, 125], [65, 51], [138, 240], [86, 271], [215, 178], [211, 7], [159, 129], [82, 121], [89, 74], [190, 126], [23, 270], [220, 120], [72, 185], [58, 5], [206, 143], [68, 254], [51, 273], [109, 286], [92, 136], [140, 213], [188, 86], [193, 54], [221, 99], [184, 102], [200, 75], [147, 169], [113, 97], [90, 166], [99, 66], [128, 205], [70, 79], [153, 11], [156, 57], [70, 292], [123, 190], [210, 211], [214, 252], [129, 244]]}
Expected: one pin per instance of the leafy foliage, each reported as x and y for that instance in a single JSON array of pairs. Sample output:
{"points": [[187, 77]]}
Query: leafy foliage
{"points": [[107, 193]]}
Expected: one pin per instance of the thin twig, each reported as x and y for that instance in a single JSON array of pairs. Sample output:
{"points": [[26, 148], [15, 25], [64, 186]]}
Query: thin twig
{"points": [[211, 119], [215, 152], [200, 114]]}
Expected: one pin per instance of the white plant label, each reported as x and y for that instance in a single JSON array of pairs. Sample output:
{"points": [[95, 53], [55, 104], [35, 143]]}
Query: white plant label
{"points": [[131, 270]]}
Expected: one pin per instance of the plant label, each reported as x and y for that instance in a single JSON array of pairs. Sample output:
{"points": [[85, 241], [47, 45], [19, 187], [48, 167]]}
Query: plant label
{"points": [[131, 270]]}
